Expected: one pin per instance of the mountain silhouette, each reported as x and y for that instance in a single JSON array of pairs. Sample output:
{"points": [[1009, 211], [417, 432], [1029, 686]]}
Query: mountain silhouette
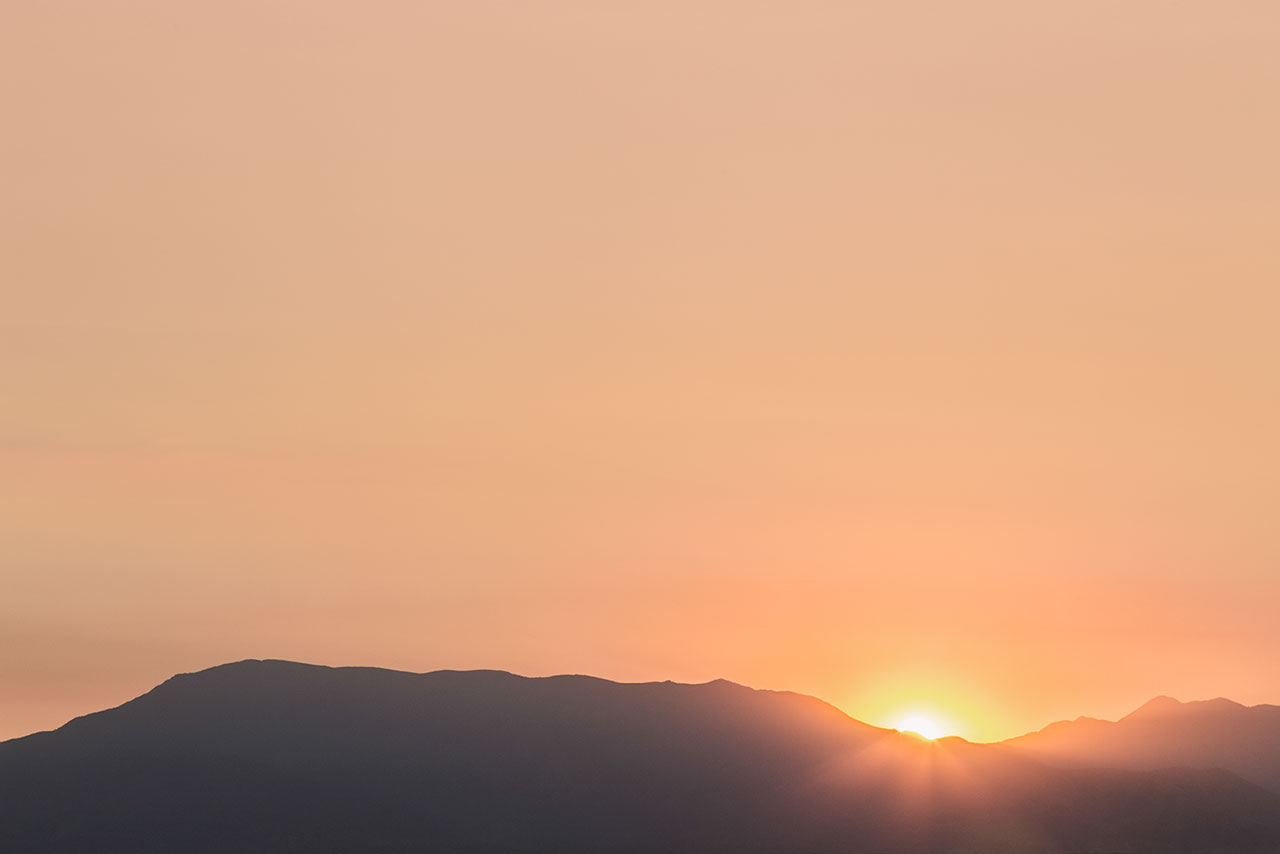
{"points": [[1164, 732], [272, 756]]}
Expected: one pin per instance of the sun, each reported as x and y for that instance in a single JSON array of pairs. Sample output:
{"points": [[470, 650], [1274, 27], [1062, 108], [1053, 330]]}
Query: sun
{"points": [[922, 726]]}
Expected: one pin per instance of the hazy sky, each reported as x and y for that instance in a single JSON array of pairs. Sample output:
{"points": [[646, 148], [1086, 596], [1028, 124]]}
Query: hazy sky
{"points": [[916, 355]]}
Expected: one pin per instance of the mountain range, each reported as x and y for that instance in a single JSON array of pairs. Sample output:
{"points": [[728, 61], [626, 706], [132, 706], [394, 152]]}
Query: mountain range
{"points": [[274, 756], [1205, 734]]}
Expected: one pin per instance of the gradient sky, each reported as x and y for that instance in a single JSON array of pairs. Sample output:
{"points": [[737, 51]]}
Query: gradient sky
{"points": [[922, 356]]}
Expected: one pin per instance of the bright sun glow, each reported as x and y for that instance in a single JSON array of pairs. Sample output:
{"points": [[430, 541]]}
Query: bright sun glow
{"points": [[922, 726]]}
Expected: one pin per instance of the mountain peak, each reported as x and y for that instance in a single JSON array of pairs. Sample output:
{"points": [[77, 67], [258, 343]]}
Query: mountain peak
{"points": [[1155, 707], [1165, 706]]}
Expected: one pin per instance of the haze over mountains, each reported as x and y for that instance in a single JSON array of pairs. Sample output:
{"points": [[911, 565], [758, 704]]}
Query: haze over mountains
{"points": [[1163, 732], [272, 756]]}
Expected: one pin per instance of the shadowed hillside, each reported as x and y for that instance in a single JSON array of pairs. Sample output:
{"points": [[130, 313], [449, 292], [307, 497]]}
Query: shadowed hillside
{"points": [[1164, 732], [268, 756]]}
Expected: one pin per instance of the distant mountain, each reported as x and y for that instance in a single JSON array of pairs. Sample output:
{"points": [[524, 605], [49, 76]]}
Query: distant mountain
{"points": [[1164, 732], [270, 756]]}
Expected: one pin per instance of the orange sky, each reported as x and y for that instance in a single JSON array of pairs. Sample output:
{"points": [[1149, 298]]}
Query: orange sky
{"points": [[921, 356]]}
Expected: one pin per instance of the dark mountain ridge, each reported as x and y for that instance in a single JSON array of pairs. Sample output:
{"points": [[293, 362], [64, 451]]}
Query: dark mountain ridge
{"points": [[270, 756]]}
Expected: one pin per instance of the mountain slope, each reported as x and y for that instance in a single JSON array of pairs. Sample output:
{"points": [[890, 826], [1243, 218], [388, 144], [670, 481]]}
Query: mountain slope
{"points": [[1164, 732], [265, 756]]}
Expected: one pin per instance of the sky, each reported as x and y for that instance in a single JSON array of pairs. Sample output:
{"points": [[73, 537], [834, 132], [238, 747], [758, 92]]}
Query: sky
{"points": [[920, 356]]}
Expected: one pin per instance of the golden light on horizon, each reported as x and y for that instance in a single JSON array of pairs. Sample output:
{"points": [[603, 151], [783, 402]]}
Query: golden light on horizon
{"points": [[924, 726], [929, 700]]}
